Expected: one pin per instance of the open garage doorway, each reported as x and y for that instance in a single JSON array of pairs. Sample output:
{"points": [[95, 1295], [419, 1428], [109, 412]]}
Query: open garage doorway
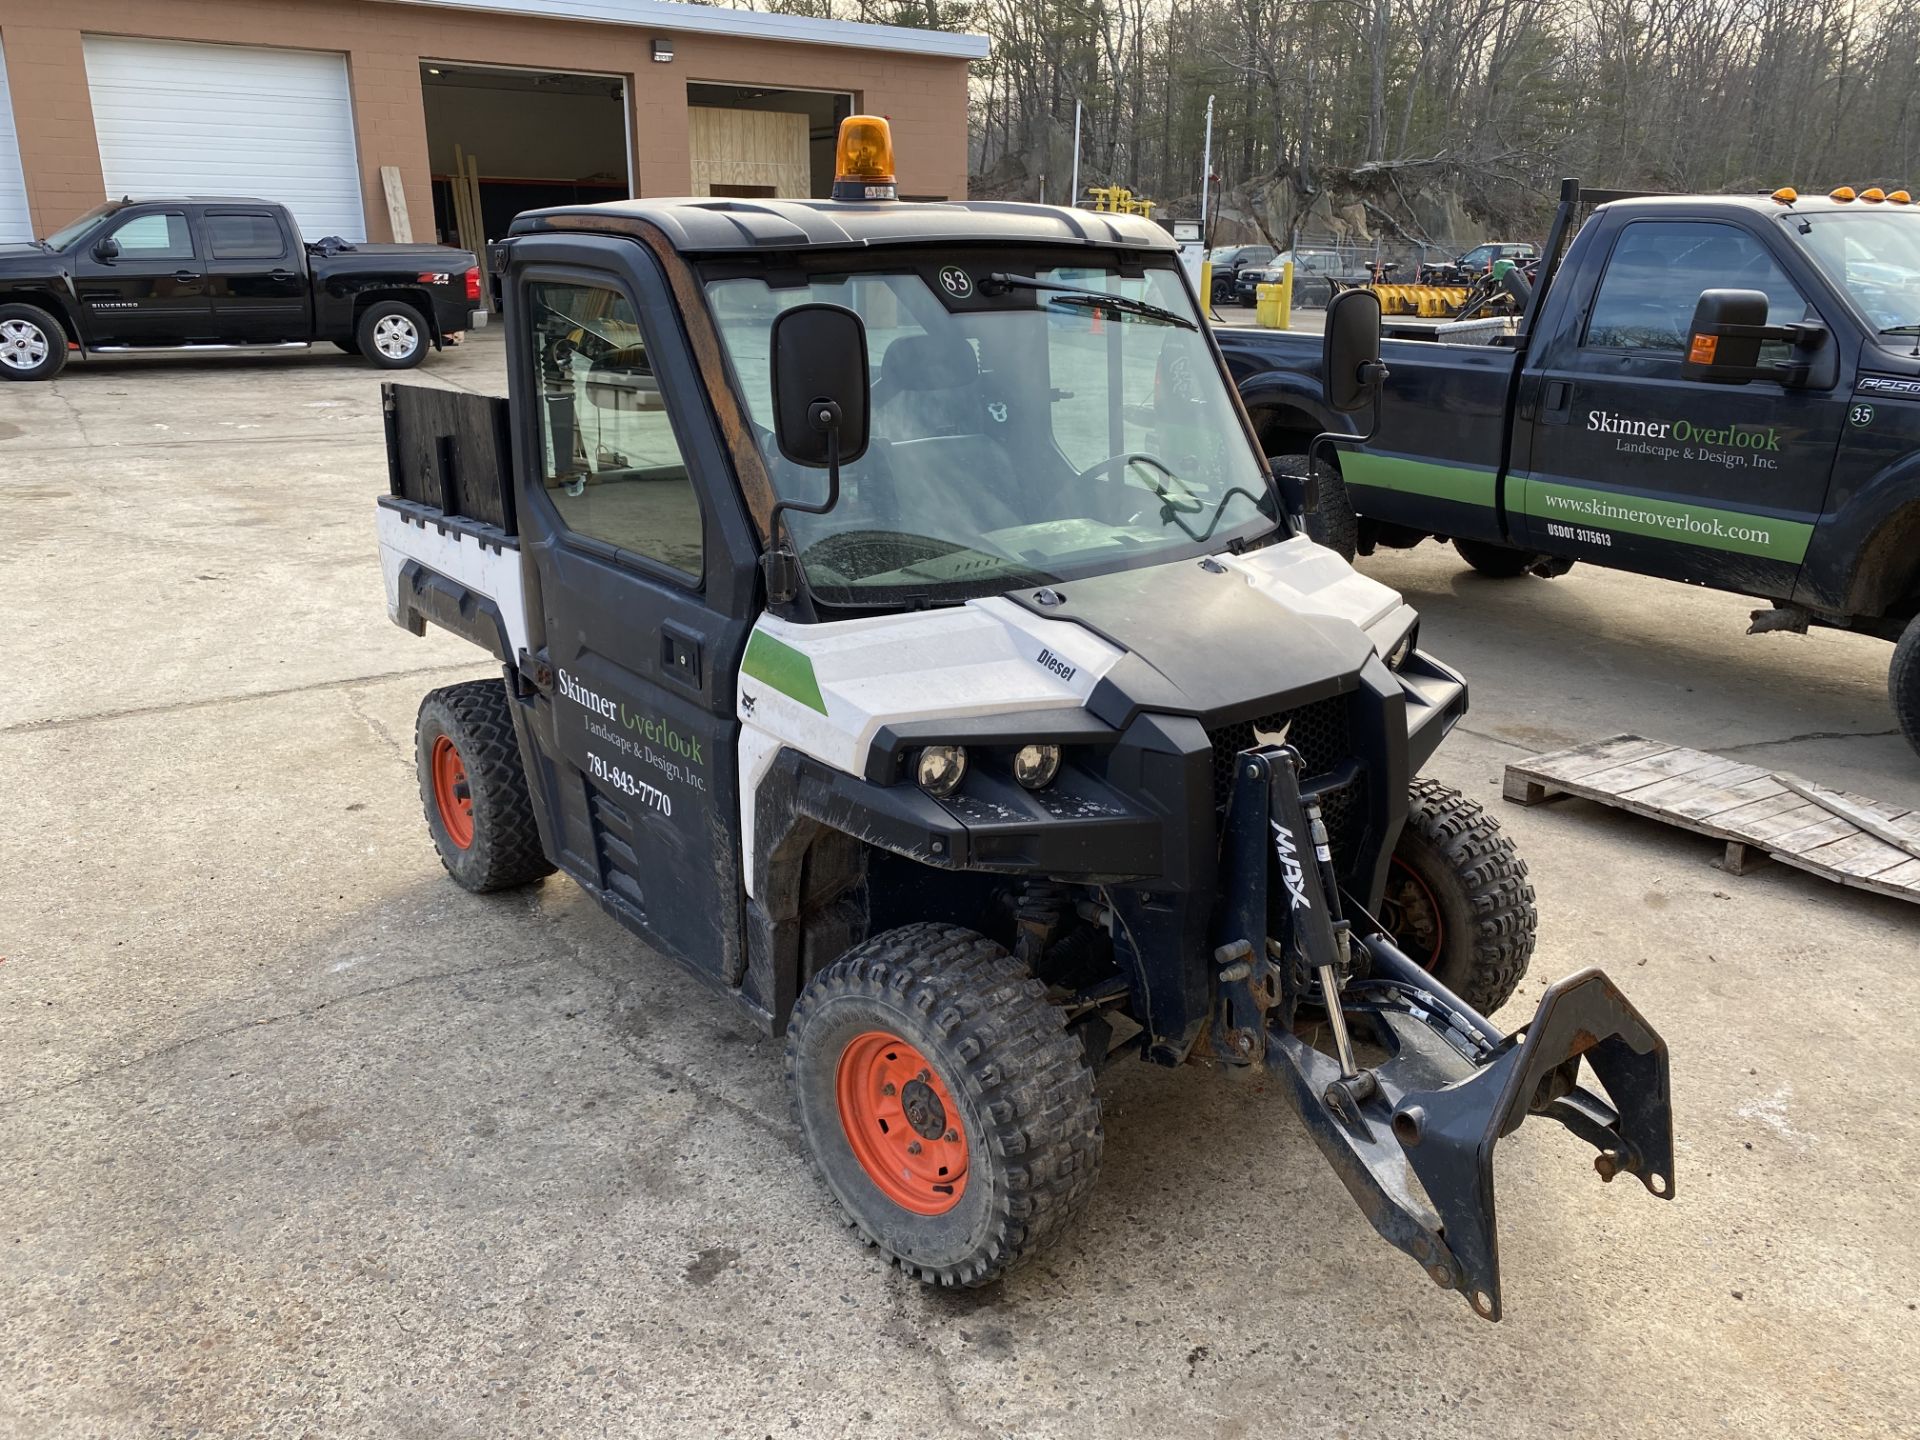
{"points": [[531, 137], [759, 143]]}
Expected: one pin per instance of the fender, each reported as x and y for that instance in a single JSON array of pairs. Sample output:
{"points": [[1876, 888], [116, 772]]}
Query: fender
{"points": [[52, 293], [1291, 390], [1861, 560], [428, 595]]}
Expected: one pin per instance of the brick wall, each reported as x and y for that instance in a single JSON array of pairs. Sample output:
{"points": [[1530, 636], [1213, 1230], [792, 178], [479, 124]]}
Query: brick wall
{"points": [[924, 96]]}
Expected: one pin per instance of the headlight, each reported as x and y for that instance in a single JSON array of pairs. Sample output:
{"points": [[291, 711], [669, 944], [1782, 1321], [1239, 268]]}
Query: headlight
{"points": [[1403, 647], [940, 769], [1034, 766]]}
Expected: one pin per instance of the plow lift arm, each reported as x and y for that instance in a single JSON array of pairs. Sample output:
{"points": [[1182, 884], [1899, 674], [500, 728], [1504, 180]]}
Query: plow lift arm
{"points": [[1412, 1136]]}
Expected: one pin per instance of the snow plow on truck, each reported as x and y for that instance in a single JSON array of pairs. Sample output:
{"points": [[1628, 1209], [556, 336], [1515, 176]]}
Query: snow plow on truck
{"points": [[900, 630]]}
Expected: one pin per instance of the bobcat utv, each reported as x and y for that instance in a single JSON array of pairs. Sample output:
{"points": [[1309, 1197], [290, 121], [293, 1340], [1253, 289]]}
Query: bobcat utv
{"points": [[901, 630]]}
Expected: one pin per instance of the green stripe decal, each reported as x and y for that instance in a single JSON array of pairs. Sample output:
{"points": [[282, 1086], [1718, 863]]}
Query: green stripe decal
{"points": [[1418, 477], [1740, 531], [784, 668]]}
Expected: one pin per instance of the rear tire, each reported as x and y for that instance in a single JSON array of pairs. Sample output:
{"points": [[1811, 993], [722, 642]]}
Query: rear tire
{"points": [[479, 808], [392, 335], [1331, 520], [1458, 901], [1496, 562], [943, 1102], [33, 346], [1903, 683]]}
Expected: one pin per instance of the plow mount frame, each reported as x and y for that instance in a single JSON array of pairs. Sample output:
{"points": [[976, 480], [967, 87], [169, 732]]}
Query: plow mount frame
{"points": [[1412, 1135]]}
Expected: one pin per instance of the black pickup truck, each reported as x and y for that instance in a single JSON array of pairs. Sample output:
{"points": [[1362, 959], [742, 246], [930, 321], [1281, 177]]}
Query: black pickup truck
{"points": [[1604, 431], [153, 276]]}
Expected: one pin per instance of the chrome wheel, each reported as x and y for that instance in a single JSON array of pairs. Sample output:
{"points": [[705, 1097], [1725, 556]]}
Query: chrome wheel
{"points": [[23, 345], [396, 337]]}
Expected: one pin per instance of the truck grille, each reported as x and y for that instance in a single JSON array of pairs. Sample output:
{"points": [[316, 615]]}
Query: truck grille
{"points": [[1322, 734]]}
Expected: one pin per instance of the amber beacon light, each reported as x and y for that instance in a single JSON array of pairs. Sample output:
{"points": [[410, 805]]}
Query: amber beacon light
{"points": [[863, 160]]}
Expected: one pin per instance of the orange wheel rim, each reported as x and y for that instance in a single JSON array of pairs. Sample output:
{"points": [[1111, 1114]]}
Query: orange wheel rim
{"points": [[902, 1123], [452, 795]]}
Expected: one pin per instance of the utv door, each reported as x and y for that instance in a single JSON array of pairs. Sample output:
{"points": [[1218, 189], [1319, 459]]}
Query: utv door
{"points": [[1633, 467], [640, 572]]}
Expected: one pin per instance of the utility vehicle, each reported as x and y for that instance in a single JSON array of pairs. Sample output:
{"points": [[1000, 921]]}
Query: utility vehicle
{"points": [[1781, 460], [900, 630], [202, 276]]}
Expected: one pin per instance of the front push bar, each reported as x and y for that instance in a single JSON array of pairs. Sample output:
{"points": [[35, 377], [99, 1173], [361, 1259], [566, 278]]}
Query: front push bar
{"points": [[1411, 1131]]}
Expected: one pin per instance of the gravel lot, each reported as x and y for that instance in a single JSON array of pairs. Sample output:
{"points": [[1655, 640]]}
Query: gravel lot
{"points": [[297, 1138]]}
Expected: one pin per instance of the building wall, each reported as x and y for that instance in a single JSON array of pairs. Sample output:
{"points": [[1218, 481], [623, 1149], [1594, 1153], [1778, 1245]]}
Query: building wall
{"points": [[924, 96]]}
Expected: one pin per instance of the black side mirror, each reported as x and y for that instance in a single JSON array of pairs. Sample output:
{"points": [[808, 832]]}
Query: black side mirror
{"points": [[820, 386], [107, 249], [1724, 337], [1728, 329], [1350, 352]]}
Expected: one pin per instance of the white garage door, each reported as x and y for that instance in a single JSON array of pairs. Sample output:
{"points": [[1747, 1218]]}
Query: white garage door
{"points": [[180, 119], [14, 224]]}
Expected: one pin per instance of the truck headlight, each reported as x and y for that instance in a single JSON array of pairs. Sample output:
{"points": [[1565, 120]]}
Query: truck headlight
{"points": [[940, 769], [1034, 766]]}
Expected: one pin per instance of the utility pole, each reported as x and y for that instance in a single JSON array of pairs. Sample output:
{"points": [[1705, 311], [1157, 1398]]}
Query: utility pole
{"points": [[1206, 176], [1073, 195]]}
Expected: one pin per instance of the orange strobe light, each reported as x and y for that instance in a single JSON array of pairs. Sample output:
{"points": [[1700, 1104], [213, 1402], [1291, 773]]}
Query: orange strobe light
{"points": [[1843, 194], [863, 160], [1873, 196], [1786, 195], [1900, 197]]}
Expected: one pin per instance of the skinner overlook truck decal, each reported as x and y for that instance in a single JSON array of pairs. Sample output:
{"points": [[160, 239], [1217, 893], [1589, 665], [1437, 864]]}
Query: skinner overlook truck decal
{"points": [[646, 740]]}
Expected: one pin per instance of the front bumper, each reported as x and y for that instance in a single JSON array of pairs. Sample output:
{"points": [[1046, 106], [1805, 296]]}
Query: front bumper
{"points": [[1412, 1135]]}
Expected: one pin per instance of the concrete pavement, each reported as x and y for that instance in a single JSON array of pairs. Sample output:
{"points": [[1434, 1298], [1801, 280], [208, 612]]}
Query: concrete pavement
{"points": [[297, 1138]]}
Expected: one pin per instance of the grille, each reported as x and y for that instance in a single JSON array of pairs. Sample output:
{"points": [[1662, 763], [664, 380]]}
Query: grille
{"points": [[1321, 733], [1318, 731]]}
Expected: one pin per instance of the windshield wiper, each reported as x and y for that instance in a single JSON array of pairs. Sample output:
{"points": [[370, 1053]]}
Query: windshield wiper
{"points": [[1076, 295], [1900, 330]]}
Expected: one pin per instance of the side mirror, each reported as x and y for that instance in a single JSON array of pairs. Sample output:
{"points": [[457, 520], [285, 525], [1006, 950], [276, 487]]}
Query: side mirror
{"points": [[107, 249], [1350, 352], [1728, 329], [1723, 342], [820, 385]]}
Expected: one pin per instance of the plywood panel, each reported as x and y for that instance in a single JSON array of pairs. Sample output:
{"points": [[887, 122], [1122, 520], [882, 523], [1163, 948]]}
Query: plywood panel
{"points": [[749, 147]]}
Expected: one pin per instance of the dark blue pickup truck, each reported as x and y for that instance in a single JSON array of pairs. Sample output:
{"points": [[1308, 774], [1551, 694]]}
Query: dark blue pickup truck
{"points": [[1603, 432]]}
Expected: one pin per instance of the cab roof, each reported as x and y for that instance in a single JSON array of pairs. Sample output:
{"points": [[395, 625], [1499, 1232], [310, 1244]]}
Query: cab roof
{"points": [[1759, 204], [719, 226]]}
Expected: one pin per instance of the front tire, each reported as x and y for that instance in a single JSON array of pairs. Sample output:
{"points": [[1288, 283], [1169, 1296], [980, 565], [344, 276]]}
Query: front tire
{"points": [[1331, 520], [392, 335], [943, 1102], [1498, 562], [1903, 683], [1458, 901], [33, 346], [478, 805]]}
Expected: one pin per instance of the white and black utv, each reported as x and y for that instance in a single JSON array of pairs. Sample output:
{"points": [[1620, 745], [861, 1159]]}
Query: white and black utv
{"points": [[901, 630]]}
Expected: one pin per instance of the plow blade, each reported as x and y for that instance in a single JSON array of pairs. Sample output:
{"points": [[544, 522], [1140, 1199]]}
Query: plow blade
{"points": [[1413, 1137]]}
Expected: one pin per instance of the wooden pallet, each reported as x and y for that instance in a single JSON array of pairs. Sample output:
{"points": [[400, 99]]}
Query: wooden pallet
{"points": [[1760, 814]]}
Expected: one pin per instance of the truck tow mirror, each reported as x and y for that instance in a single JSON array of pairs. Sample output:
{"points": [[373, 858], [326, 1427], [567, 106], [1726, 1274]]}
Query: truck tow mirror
{"points": [[1728, 329], [820, 386], [1350, 353], [107, 249]]}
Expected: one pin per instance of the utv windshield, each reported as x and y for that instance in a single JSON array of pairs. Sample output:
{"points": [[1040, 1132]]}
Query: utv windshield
{"points": [[1022, 429], [1873, 255]]}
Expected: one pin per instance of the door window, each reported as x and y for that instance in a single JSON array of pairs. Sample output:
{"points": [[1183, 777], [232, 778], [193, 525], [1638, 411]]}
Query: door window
{"points": [[1659, 268], [612, 464], [161, 236], [244, 235]]}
